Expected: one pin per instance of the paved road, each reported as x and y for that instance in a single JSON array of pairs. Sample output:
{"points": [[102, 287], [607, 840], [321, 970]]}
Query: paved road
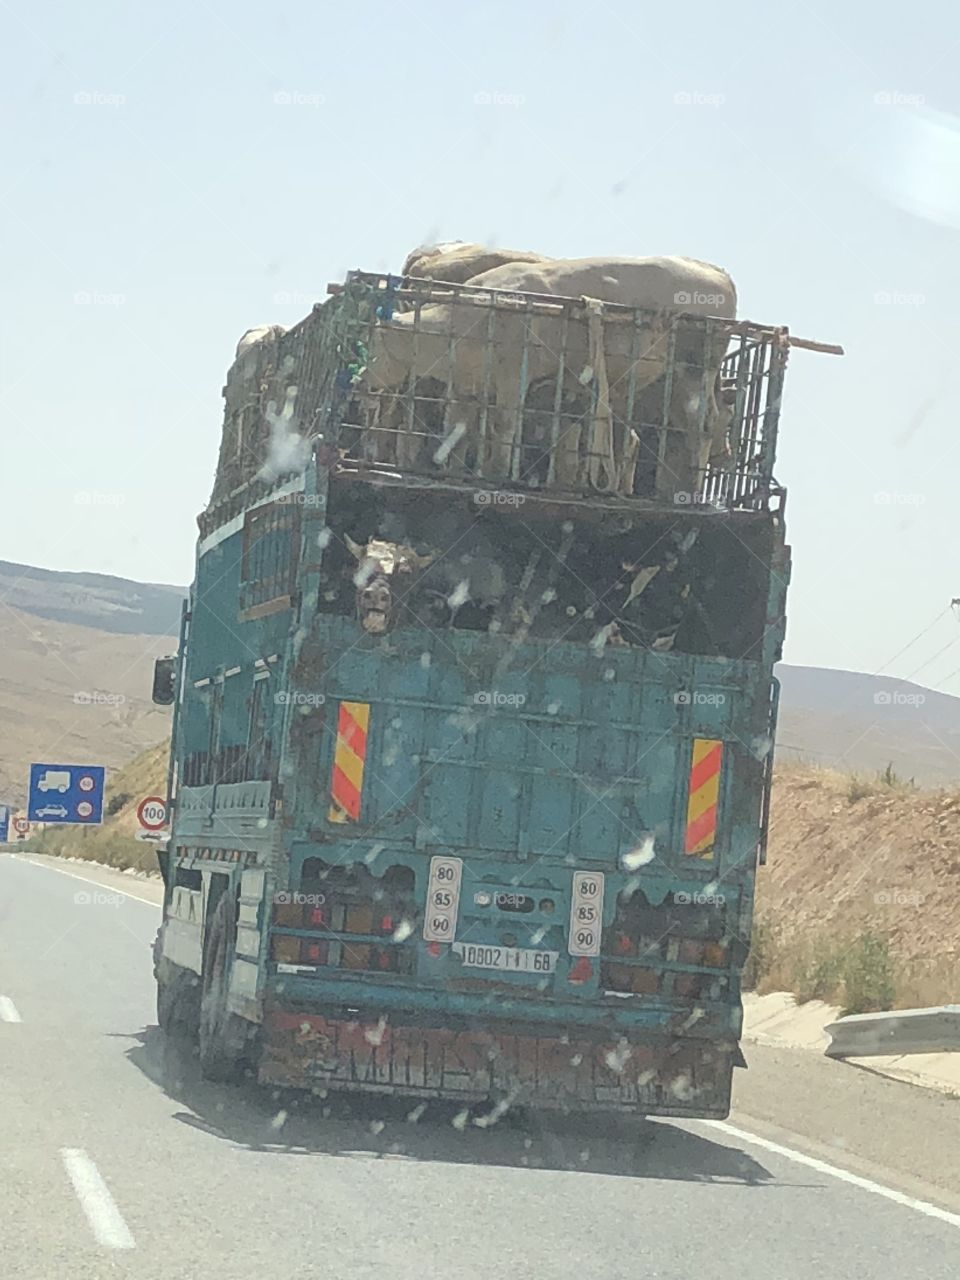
{"points": [[116, 1159]]}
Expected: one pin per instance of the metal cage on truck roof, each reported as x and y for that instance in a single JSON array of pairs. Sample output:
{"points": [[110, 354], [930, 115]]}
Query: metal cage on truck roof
{"points": [[564, 395], [421, 382]]}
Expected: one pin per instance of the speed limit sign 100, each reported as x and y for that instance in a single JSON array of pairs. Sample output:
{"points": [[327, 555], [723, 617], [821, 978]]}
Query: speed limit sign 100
{"points": [[152, 813]]}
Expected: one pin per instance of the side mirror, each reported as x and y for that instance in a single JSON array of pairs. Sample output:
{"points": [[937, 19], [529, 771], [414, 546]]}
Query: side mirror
{"points": [[165, 681]]}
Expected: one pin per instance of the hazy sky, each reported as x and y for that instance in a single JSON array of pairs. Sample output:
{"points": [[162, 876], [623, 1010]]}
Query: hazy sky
{"points": [[176, 174]]}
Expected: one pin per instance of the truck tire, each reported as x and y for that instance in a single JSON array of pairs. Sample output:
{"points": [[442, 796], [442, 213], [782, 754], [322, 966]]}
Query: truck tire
{"points": [[177, 1003], [178, 994], [223, 1036]]}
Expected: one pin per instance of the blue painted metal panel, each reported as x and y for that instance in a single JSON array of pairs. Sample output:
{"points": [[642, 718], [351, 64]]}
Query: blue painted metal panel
{"points": [[563, 765]]}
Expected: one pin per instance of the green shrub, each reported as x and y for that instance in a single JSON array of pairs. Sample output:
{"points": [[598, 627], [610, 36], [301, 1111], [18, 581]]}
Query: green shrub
{"points": [[819, 970], [868, 978], [858, 788], [764, 945], [116, 803]]}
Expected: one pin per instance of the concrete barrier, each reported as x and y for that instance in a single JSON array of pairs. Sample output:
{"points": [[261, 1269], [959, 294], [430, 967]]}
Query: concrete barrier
{"points": [[902, 1031]]}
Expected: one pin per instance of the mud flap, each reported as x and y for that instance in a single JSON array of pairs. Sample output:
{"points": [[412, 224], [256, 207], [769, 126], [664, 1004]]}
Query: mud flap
{"points": [[738, 1059]]}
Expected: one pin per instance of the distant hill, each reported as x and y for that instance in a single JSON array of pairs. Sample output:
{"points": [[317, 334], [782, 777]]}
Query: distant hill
{"points": [[74, 695], [856, 722], [65, 635], [96, 600]]}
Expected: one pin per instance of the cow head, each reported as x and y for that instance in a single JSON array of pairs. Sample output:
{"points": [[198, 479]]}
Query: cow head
{"points": [[382, 567]]}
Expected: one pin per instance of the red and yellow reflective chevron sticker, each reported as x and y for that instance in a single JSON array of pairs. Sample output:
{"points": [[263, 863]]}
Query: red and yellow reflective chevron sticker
{"points": [[702, 797], [346, 784]]}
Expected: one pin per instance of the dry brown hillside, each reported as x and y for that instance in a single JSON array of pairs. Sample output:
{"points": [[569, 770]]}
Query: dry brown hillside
{"points": [[850, 855], [73, 694]]}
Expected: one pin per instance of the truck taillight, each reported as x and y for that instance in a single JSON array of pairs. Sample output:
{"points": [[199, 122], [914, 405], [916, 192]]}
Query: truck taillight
{"points": [[650, 949], [357, 916], [297, 915], [287, 949]]}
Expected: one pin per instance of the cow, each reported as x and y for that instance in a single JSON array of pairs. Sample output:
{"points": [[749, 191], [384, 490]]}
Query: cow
{"points": [[382, 566], [456, 262], [396, 584], [606, 350]]}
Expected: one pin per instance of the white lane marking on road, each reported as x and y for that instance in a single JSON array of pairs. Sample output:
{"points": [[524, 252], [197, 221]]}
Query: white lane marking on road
{"points": [[86, 879], [8, 1010], [821, 1166], [106, 1221]]}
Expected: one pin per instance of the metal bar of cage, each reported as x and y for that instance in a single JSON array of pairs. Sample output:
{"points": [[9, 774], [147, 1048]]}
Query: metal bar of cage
{"points": [[516, 427], [779, 349], [664, 424], [558, 399], [484, 422]]}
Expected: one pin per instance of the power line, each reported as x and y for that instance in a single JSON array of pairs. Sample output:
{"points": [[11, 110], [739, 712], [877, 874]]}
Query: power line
{"points": [[955, 640], [918, 636]]}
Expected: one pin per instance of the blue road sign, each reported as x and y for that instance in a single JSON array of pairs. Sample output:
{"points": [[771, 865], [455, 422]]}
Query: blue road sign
{"points": [[66, 793], [5, 815]]}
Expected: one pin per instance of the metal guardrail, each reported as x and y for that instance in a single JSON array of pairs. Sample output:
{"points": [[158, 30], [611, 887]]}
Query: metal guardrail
{"points": [[903, 1031]]}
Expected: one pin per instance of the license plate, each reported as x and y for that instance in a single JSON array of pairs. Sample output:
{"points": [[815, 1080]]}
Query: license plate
{"points": [[476, 955]]}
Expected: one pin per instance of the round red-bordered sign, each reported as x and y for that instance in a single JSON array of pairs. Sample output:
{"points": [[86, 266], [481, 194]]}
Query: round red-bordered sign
{"points": [[21, 826], [152, 813]]}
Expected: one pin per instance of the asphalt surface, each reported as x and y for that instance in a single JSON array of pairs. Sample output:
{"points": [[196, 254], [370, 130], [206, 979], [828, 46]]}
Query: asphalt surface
{"points": [[117, 1159]]}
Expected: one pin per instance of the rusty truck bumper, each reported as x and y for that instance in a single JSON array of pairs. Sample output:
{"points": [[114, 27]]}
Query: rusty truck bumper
{"points": [[570, 1070]]}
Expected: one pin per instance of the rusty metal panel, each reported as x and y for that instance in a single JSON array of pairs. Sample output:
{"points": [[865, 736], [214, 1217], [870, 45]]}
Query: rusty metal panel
{"points": [[304, 1049]]}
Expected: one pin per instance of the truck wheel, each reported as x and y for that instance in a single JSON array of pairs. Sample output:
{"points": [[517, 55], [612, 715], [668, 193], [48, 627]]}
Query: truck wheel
{"points": [[223, 1036], [177, 1012]]}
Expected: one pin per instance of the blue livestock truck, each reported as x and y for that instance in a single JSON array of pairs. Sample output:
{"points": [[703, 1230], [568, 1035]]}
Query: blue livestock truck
{"points": [[472, 751]]}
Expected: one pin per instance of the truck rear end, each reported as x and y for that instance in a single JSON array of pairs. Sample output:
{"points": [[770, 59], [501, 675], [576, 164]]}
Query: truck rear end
{"points": [[486, 823], [546, 888]]}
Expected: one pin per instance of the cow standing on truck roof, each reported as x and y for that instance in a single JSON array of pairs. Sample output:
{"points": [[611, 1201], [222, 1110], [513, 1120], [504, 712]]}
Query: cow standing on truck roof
{"points": [[450, 342]]}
